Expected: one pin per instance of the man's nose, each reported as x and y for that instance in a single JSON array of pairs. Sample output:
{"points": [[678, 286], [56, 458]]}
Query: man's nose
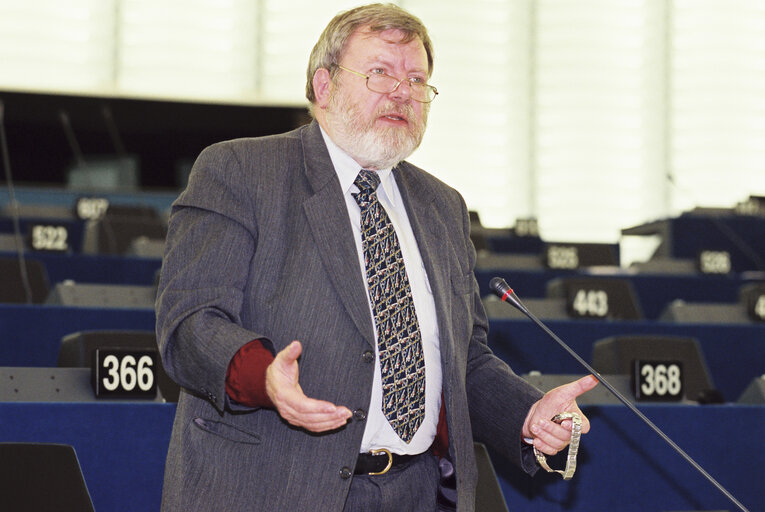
{"points": [[402, 92]]}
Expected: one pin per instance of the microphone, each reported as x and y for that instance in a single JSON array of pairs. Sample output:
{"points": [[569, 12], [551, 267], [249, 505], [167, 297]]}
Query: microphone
{"points": [[114, 134], [502, 290], [14, 209], [71, 139]]}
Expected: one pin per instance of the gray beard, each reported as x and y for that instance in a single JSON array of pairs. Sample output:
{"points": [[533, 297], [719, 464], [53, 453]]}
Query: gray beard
{"points": [[372, 148]]}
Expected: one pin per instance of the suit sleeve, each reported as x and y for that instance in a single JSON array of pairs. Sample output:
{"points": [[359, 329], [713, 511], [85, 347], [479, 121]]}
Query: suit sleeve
{"points": [[210, 243]]}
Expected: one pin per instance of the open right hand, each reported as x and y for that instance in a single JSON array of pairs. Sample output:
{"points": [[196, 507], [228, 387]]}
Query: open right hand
{"points": [[292, 404]]}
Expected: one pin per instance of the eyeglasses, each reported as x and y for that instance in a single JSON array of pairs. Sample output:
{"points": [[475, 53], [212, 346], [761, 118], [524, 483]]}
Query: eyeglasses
{"points": [[386, 84]]}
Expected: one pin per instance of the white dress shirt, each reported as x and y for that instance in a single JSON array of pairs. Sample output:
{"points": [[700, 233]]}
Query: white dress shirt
{"points": [[378, 432]]}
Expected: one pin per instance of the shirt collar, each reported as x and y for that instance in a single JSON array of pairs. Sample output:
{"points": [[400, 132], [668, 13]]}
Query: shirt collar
{"points": [[347, 169]]}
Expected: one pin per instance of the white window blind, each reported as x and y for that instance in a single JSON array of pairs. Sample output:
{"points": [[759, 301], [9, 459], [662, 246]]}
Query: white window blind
{"points": [[290, 28], [718, 102], [599, 116], [188, 48], [593, 115], [57, 46], [478, 131]]}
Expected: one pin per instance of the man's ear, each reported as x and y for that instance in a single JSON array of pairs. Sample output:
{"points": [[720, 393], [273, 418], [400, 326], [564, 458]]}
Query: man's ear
{"points": [[322, 87]]}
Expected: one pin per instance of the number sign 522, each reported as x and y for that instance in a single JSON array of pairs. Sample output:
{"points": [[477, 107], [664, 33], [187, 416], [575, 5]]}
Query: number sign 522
{"points": [[658, 380], [127, 373], [48, 238]]}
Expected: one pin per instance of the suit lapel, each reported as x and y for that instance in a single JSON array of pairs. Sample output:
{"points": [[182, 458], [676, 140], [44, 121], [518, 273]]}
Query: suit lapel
{"points": [[331, 229]]}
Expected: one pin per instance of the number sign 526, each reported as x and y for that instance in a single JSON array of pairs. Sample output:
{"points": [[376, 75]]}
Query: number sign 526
{"points": [[128, 373], [658, 380]]}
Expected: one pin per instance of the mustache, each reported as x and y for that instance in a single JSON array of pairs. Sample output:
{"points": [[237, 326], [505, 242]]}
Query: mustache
{"points": [[404, 110]]}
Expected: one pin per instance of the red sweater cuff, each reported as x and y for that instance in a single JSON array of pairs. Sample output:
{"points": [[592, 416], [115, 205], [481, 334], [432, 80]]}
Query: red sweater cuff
{"points": [[246, 375], [441, 442]]}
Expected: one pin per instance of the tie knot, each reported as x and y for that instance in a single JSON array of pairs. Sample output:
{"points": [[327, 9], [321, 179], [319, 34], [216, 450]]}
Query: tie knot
{"points": [[367, 181]]}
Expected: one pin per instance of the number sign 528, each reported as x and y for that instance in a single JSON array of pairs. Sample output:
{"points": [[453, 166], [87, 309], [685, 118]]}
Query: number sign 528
{"points": [[126, 373], [658, 380]]}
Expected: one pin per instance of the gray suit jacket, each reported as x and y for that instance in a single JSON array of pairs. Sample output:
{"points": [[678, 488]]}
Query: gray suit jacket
{"points": [[260, 246]]}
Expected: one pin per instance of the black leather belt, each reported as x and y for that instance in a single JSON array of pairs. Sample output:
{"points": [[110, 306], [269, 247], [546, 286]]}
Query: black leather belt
{"points": [[379, 462]]}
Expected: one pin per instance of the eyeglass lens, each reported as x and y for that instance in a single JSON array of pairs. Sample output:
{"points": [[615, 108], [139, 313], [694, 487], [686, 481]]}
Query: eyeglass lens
{"points": [[386, 84]]}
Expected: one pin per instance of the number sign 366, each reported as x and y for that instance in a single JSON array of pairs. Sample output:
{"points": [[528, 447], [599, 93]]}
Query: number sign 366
{"points": [[128, 373]]}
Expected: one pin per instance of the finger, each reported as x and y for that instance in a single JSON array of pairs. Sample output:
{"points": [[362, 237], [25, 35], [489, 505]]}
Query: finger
{"points": [[585, 422], [300, 404], [290, 353], [317, 417], [292, 402], [549, 437], [290, 399], [569, 392], [322, 423], [283, 370]]}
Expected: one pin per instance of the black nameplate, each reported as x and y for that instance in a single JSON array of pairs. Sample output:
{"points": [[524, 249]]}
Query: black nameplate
{"points": [[562, 256], [48, 237], [755, 205], [91, 208], [596, 297], [714, 262], [526, 228], [658, 381], [588, 303], [124, 373]]}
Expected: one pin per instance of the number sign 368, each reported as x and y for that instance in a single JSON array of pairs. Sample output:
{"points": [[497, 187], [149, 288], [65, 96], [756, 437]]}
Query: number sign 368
{"points": [[658, 380]]}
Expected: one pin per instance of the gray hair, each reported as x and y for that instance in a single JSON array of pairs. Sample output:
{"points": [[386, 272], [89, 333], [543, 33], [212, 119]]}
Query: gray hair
{"points": [[377, 18]]}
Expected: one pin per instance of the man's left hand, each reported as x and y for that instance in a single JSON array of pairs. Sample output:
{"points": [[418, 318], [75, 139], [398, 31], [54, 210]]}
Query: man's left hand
{"points": [[550, 437]]}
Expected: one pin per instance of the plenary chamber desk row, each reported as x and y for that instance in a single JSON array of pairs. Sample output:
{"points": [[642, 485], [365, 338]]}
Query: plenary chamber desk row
{"points": [[623, 466], [652, 292], [30, 335], [734, 354]]}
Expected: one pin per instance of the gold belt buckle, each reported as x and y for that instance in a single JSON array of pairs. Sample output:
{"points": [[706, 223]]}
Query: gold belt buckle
{"points": [[390, 460]]}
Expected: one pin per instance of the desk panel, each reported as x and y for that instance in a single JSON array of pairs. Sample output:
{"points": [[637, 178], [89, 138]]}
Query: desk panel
{"points": [[102, 268], [623, 465], [121, 446], [31, 335]]}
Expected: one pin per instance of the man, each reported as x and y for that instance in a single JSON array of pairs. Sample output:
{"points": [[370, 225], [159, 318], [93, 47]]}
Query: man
{"points": [[327, 332]]}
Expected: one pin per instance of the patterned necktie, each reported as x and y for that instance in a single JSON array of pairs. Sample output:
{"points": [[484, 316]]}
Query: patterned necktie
{"points": [[398, 333]]}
